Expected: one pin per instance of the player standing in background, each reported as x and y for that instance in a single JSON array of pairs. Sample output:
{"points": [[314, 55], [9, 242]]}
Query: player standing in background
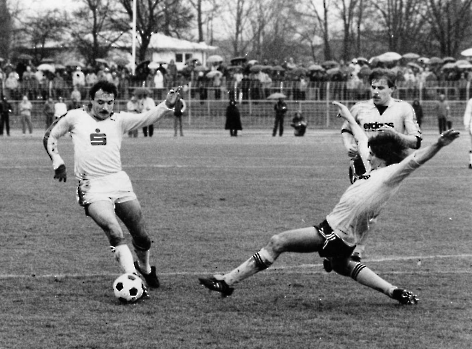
{"points": [[104, 189], [468, 127], [381, 113], [387, 165]]}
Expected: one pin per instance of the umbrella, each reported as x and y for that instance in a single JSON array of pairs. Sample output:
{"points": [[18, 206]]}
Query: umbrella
{"points": [[277, 95], [315, 67], [200, 68], [299, 71], [448, 59], [449, 65], [153, 65], [214, 73], [462, 63], [235, 67], [467, 52], [253, 61], [238, 60], [25, 56], [362, 59], [465, 66], [411, 55], [389, 57], [74, 64], [277, 68], [101, 60], [121, 61], [59, 66], [435, 60], [256, 68], [47, 60], [365, 71], [423, 60], [141, 91], [330, 64], [47, 67], [1, 59], [191, 60], [215, 58], [414, 65]]}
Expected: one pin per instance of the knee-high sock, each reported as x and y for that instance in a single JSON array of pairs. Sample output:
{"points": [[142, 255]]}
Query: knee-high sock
{"points": [[470, 157], [143, 260], [124, 258], [258, 262], [367, 277]]}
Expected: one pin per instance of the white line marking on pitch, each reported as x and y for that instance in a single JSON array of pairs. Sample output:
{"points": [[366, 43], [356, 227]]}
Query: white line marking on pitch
{"points": [[274, 269]]}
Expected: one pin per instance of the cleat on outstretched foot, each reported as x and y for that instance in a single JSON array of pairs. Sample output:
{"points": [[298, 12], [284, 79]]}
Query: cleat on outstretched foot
{"points": [[150, 278], [404, 296], [217, 285]]}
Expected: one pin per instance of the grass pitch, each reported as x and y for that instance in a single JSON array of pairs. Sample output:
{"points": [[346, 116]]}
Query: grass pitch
{"points": [[210, 202]]}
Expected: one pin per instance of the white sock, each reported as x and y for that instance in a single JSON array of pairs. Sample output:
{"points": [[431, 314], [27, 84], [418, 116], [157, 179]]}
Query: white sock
{"points": [[470, 157], [124, 257], [258, 262]]}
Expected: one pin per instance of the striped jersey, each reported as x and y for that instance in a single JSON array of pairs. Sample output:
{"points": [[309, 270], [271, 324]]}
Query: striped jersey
{"points": [[97, 143]]}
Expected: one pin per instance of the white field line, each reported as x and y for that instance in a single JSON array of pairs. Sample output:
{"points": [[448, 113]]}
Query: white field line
{"points": [[302, 268]]}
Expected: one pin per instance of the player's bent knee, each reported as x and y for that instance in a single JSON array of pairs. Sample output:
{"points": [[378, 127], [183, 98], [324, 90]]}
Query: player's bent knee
{"points": [[347, 267], [142, 243], [277, 243], [116, 240]]}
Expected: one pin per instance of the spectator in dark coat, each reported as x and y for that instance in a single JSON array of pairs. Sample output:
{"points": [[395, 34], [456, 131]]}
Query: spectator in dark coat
{"points": [[233, 119]]}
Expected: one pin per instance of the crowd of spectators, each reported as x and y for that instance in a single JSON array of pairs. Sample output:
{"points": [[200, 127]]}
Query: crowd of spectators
{"points": [[240, 79]]}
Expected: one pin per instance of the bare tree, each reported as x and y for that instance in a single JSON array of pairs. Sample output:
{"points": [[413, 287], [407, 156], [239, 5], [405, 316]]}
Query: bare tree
{"points": [[450, 23], [5, 29], [239, 13], [347, 12]]}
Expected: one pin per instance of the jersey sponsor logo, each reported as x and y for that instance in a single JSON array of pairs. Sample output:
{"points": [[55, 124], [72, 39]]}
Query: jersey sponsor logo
{"points": [[374, 126], [98, 138]]}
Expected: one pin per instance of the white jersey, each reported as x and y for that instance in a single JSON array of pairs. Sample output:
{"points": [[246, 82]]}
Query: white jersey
{"points": [[468, 116], [363, 200], [97, 143]]}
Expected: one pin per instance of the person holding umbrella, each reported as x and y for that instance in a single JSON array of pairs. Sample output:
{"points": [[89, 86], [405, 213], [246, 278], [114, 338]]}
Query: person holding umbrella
{"points": [[280, 110]]}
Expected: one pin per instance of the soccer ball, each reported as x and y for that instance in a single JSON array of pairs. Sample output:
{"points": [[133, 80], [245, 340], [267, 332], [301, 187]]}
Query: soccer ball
{"points": [[128, 288]]}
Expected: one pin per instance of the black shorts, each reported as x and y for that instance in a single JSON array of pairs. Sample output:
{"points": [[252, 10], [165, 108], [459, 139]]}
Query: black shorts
{"points": [[333, 246]]}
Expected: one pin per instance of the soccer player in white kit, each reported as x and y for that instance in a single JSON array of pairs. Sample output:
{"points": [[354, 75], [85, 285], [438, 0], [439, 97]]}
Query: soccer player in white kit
{"points": [[381, 113], [104, 189], [468, 127], [387, 164]]}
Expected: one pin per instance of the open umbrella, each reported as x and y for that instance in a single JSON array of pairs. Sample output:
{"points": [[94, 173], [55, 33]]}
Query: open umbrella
{"points": [[25, 56], [276, 95], [448, 60], [465, 66], [413, 65], [59, 66], [299, 71], [101, 60], [315, 67], [121, 61], [411, 55], [448, 66], [277, 68], [467, 53], [48, 60], [423, 60], [74, 64], [435, 60], [365, 71], [200, 68], [238, 60], [389, 57], [154, 65], [329, 64], [46, 67], [213, 73], [362, 59], [1, 59], [256, 68], [191, 60], [215, 58]]}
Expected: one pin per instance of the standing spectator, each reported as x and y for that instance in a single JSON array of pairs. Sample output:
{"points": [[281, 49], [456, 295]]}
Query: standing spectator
{"points": [[442, 112], [146, 103], [60, 108], [179, 109], [468, 127], [78, 79], [5, 110], [418, 111], [75, 94], [25, 114], [48, 111], [91, 78], [11, 86], [233, 119], [133, 107], [171, 74], [59, 84], [158, 83], [280, 110]]}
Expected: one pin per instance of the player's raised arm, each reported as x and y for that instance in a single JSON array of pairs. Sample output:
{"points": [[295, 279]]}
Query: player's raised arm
{"points": [[357, 131], [424, 154]]}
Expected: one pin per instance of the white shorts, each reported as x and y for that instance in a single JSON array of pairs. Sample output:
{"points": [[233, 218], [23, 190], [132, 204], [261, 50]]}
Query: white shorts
{"points": [[116, 188]]}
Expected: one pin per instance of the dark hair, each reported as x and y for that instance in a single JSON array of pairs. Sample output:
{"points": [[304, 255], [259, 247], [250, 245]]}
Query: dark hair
{"points": [[388, 147], [382, 73], [105, 86]]}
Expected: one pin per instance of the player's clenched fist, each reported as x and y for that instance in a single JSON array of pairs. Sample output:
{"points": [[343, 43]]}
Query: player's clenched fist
{"points": [[60, 173]]}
